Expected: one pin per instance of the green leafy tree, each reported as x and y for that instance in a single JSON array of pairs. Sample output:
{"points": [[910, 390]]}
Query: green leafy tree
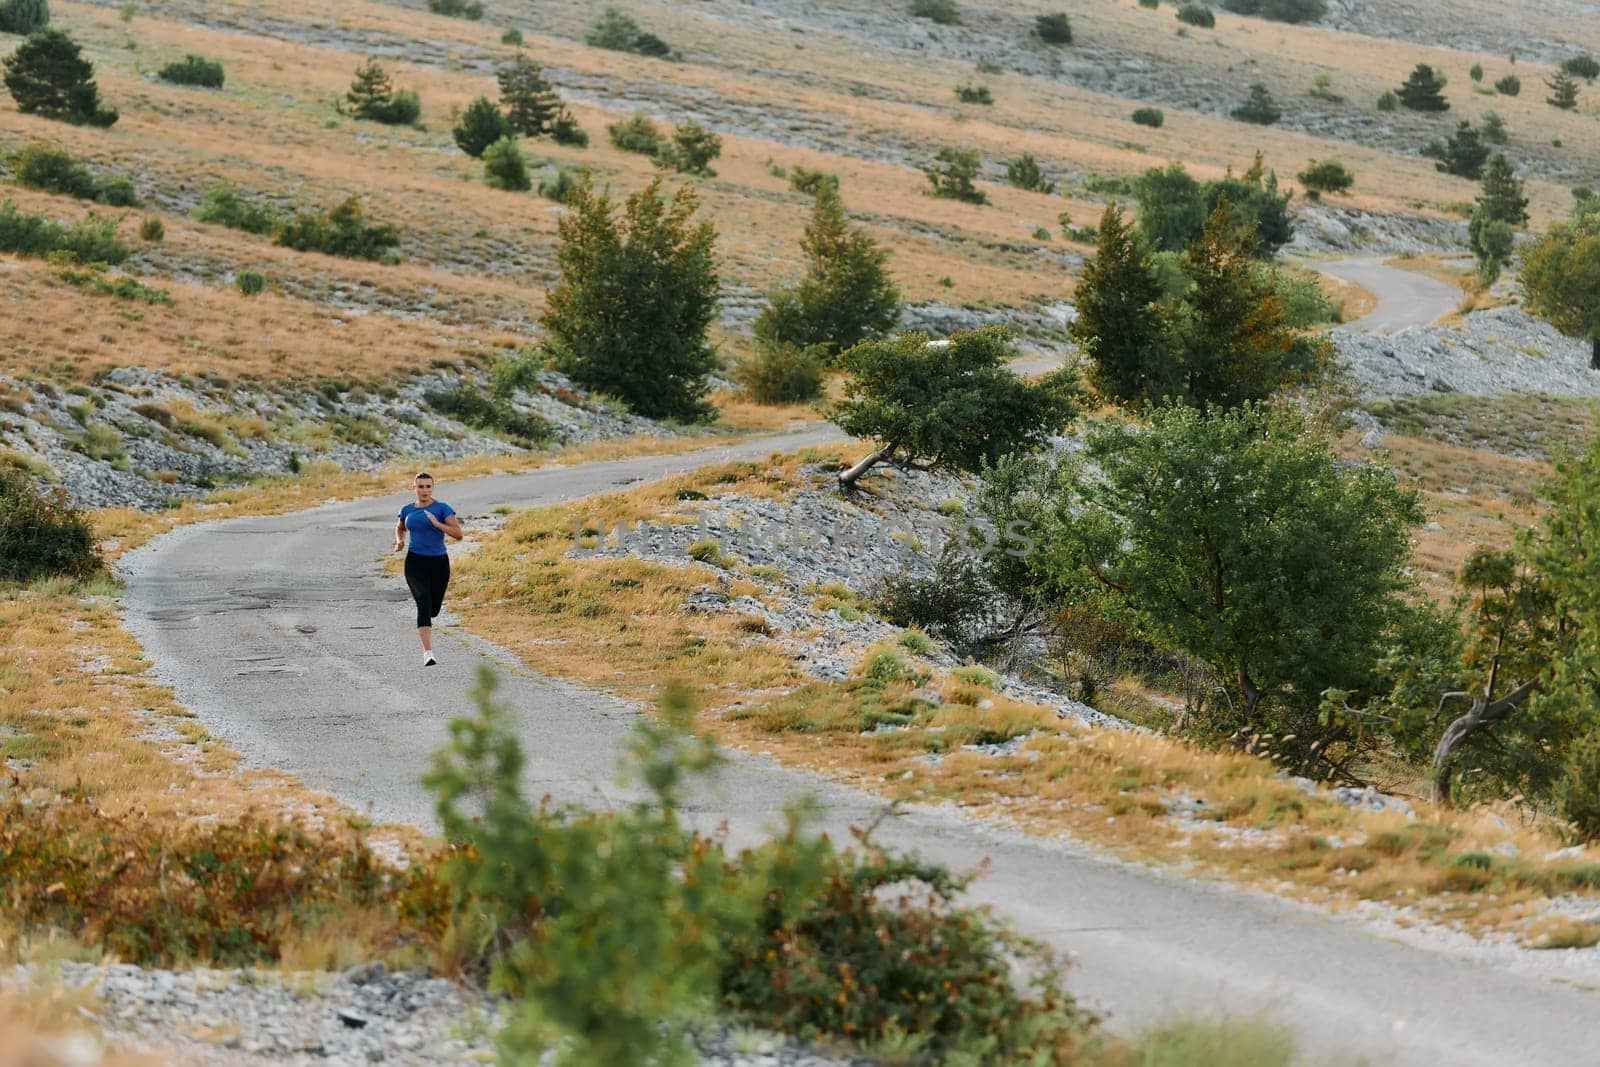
{"points": [[1234, 340], [373, 97], [952, 172], [481, 125], [530, 102], [846, 295], [1240, 539], [1424, 90], [1326, 176], [1173, 207], [48, 76], [505, 167], [1463, 155], [1563, 91], [1561, 280], [691, 150], [1024, 172], [1259, 107], [1501, 208], [23, 17], [636, 296], [951, 405], [1123, 324], [1054, 28]]}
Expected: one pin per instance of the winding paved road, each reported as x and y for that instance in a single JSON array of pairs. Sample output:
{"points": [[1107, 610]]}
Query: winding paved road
{"points": [[1404, 298], [289, 642]]}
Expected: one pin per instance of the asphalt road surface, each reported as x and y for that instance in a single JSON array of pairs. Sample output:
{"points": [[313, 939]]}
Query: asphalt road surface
{"points": [[1404, 298]]}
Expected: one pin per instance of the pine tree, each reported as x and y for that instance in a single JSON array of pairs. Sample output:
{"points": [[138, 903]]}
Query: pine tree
{"points": [[371, 94], [24, 17], [1563, 91], [846, 296], [48, 76], [1423, 90], [1502, 197], [1122, 325], [481, 125], [531, 104], [1259, 107], [1463, 155], [504, 167]]}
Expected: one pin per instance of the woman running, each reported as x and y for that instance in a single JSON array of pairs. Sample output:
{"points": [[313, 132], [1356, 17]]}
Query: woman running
{"points": [[428, 522]]}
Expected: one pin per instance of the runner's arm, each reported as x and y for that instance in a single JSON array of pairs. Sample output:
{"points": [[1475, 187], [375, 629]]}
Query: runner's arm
{"points": [[399, 534]]}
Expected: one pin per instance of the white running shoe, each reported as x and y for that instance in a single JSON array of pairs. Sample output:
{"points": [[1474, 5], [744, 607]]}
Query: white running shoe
{"points": [[428, 660]]}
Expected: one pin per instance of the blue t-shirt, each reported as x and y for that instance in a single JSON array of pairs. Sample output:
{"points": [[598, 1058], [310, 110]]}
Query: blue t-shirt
{"points": [[426, 540]]}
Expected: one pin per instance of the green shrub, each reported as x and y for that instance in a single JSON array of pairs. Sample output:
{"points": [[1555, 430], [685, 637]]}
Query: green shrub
{"points": [[48, 76], [512, 36], [471, 10], [618, 31], [1585, 67], [92, 239], [1152, 4], [782, 373], [340, 231], [224, 206], [152, 229], [505, 167], [1578, 791], [952, 172], [953, 603], [1259, 107], [970, 93], [1279, 10], [1024, 172], [1424, 90], [468, 404], [691, 150], [23, 17], [372, 96], [481, 125], [250, 282], [558, 184], [1388, 100], [41, 165], [41, 536], [124, 287], [118, 192], [565, 130], [811, 182], [1304, 303], [1054, 28], [1150, 116], [636, 134], [1326, 176], [1510, 85], [194, 70], [1197, 15], [941, 11]]}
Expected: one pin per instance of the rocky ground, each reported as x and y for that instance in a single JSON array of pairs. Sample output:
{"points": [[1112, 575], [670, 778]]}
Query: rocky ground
{"points": [[140, 438], [364, 1015]]}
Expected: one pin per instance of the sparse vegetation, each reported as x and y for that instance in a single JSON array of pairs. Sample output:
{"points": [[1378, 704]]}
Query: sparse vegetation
{"points": [[952, 172], [782, 373], [617, 31], [1024, 172], [468, 404], [224, 206], [48, 76], [194, 70], [250, 282], [812, 182], [944, 12], [41, 535], [971, 93], [1582, 66], [1509, 85], [339, 231], [44, 166], [92, 239]]}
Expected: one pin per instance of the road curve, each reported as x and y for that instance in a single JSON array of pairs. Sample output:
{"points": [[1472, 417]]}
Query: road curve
{"points": [[1404, 297], [286, 639]]}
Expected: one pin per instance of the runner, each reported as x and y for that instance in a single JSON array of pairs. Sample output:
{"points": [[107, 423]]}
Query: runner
{"points": [[428, 522]]}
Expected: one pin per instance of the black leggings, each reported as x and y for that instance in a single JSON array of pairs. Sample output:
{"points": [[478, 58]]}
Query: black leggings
{"points": [[427, 577]]}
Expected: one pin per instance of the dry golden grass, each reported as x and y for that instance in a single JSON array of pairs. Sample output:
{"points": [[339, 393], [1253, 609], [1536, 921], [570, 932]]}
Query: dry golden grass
{"points": [[43, 1026]]}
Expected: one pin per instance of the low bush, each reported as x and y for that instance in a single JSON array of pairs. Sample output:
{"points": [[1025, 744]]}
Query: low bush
{"points": [[565, 130], [691, 150], [970, 93], [1024, 172], [505, 167], [1326, 176], [943, 12], [558, 184], [92, 239], [468, 404], [1510, 85], [782, 373], [118, 192], [41, 165], [512, 37], [250, 282], [636, 134], [124, 287], [1150, 116], [1584, 66], [619, 32], [41, 536], [954, 603], [339, 231], [471, 10], [1054, 28], [1279, 10], [1259, 107], [1197, 15], [152, 229], [194, 70], [808, 181], [224, 206], [1389, 100], [952, 172]]}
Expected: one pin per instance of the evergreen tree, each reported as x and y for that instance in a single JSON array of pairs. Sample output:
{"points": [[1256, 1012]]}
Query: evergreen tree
{"points": [[481, 125], [951, 174], [531, 104], [691, 150], [1235, 344], [504, 166], [1024, 172], [1502, 197], [1463, 155], [1424, 90], [636, 295], [1122, 325], [48, 76], [846, 296], [24, 17], [1259, 107], [1494, 128], [1563, 91], [372, 96]]}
